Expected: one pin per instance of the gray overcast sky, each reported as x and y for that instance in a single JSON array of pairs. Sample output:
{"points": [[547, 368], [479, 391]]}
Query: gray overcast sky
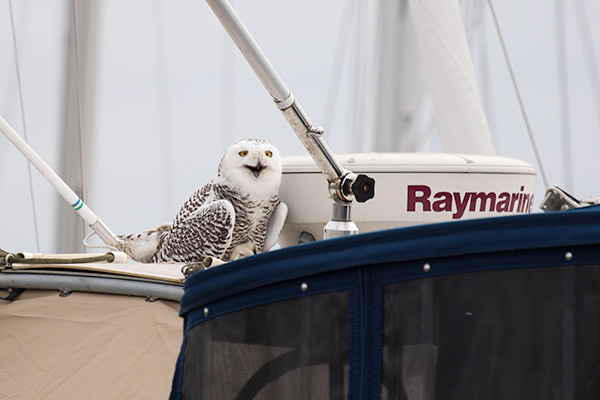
{"points": [[212, 98]]}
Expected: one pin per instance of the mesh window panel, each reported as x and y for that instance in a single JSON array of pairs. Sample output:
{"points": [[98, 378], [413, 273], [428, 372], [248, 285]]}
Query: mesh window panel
{"points": [[293, 349], [513, 334]]}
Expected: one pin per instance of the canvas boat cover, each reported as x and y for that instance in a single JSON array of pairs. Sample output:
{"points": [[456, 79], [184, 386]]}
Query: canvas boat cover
{"points": [[88, 330], [500, 308], [87, 346]]}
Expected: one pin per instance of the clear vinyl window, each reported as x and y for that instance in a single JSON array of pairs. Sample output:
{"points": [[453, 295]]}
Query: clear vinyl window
{"points": [[293, 349], [510, 334]]}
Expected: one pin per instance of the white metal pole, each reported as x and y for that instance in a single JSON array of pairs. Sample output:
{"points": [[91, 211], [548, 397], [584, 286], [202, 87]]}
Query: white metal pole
{"points": [[309, 135], [344, 185], [61, 187]]}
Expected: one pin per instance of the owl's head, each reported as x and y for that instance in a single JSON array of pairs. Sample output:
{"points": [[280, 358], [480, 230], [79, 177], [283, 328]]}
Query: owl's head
{"points": [[252, 165]]}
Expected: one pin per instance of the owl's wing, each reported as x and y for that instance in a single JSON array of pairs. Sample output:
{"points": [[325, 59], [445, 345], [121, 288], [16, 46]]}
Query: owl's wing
{"points": [[275, 225], [206, 231], [196, 200]]}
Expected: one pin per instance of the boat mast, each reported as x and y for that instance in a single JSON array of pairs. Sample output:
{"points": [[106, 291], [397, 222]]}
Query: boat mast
{"points": [[78, 112], [450, 77], [344, 186], [400, 94]]}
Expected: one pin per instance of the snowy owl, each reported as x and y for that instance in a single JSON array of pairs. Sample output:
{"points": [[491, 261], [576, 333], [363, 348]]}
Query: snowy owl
{"points": [[236, 214]]}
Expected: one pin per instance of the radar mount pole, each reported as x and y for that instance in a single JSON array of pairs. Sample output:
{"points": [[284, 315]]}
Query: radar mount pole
{"points": [[344, 185]]}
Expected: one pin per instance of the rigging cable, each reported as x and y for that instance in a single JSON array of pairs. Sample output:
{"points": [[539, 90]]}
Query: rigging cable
{"points": [[88, 245], [351, 74], [514, 82], [79, 116], [164, 107], [477, 40], [8, 104], [228, 90], [21, 25], [359, 78], [341, 49], [488, 94], [355, 4], [591, 63], [563, 94], [14, 37]]}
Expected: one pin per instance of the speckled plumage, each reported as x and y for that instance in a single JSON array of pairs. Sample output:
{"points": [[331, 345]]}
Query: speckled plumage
{"points": [[227, 218]]}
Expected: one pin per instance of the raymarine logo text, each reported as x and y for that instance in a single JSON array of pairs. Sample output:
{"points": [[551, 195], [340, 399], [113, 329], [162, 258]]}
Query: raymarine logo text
{"points": [[420, 197]]}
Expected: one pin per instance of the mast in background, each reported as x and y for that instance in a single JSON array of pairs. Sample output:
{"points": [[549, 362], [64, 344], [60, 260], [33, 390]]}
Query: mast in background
{"points": [[450, 77], [78, 105], [400, 88], [424, 53]]}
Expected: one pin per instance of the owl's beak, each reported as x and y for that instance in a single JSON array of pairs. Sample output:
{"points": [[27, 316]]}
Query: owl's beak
{"points": [[257, 169]]}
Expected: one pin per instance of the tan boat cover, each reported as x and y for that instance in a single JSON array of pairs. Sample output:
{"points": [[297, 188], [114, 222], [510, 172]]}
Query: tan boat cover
{"points": [[87, 346]]}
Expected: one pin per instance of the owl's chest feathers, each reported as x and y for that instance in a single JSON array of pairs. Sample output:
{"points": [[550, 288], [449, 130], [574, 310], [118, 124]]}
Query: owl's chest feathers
{"points": [[251, 213]]}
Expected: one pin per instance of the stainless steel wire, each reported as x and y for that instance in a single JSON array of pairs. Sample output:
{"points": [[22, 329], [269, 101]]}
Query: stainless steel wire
{"points": [[563, 94], [163, 114], [20, 87], [337, 67], [518, 93], [79, 108], [589, 53]]}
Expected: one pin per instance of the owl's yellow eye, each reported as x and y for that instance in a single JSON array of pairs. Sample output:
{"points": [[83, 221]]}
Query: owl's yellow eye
{"points": [[243, 153], [269, 153]]}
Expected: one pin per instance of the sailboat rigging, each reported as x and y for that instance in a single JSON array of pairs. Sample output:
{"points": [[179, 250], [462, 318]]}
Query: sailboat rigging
{"points": [[417, 305]]}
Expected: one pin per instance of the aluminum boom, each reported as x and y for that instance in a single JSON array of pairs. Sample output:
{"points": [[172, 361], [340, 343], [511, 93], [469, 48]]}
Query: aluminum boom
{"points": [[61, 187], [339, 178]]}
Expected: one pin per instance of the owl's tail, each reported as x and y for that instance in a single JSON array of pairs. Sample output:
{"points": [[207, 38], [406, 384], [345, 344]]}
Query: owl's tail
{"points": [[143, 246]]}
